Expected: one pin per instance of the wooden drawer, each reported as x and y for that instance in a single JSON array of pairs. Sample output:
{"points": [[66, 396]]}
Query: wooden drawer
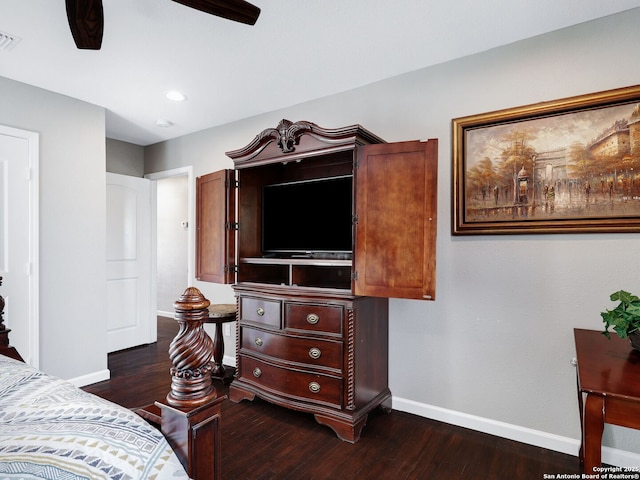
{"points": [[296, 384], [310, 351], [264, 312], [318, 318]]}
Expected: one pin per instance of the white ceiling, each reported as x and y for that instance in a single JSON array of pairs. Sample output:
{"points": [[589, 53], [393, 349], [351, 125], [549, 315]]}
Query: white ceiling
{"points": [[297, 51]]}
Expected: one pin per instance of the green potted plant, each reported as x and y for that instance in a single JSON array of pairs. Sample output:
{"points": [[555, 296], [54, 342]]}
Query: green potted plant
{"points": [[625, 318]]}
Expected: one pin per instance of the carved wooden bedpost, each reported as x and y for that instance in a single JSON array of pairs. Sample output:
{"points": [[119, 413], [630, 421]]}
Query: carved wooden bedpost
{"points": [[5, 348], [191, 352], [2, 327], [190, 415]]}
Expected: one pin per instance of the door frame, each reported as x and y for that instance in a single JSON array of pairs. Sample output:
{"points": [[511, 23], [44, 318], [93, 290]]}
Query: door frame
{"points": [[33, 141], [154, 177]]}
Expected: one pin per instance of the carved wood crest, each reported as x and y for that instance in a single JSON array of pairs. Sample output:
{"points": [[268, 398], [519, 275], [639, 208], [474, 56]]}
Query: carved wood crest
{"points": [[286, 134]]}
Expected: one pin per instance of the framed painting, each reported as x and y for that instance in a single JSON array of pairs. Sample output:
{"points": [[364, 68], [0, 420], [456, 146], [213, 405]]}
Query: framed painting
{"points": [[565, 166]]}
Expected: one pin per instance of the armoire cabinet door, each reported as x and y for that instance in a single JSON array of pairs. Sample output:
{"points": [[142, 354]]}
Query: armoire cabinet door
{"points": [[215, 236], [395, 245]]}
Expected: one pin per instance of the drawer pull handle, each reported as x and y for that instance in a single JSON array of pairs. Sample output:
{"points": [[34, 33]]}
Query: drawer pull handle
{"points": [[260, 311], [313, 319], [257, 372], [315, 353], [314, 387], [259, 341]]}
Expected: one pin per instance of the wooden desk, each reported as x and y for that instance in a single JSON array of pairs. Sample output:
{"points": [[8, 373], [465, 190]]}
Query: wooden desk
{"points": [[608, 389]]}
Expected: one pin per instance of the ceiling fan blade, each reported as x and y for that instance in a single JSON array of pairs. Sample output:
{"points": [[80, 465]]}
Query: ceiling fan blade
{"points": [[86, 20], [236, 10]]}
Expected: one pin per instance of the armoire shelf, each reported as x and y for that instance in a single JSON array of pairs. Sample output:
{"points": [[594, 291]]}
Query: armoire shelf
{"points": [[300, 272]]}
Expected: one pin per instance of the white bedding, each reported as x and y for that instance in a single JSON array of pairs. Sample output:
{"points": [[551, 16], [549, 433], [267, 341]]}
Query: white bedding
{"points": [[50, 429]]}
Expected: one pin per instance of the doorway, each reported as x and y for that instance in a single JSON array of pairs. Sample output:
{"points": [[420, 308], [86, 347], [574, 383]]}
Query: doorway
{"points": [[174, 236]]}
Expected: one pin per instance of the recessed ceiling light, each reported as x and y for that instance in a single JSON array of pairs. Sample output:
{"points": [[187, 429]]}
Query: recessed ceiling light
{"points": [[163, 123], [175, 96]]}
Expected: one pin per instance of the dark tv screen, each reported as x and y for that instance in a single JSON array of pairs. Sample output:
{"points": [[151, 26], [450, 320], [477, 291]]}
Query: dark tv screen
{"points": [[308, 217]]}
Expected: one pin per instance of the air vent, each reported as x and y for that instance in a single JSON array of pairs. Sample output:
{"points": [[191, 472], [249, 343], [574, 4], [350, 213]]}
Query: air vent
{"points": [[7, 41]]}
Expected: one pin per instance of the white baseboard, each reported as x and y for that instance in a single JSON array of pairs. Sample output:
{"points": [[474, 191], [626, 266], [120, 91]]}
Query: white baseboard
{"points": [[91, 378], [620, 458], [229, 360], [571, 446], [162, 313]]}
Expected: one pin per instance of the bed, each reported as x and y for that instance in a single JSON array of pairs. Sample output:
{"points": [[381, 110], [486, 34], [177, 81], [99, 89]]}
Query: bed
{"points": [[49, 428]]}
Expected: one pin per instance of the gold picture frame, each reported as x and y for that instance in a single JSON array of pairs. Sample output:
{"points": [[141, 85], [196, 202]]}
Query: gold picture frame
{"points": [[564, 166]]}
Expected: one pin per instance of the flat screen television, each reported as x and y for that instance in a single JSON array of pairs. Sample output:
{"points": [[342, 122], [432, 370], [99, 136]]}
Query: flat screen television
{"points": [[308, 217]]}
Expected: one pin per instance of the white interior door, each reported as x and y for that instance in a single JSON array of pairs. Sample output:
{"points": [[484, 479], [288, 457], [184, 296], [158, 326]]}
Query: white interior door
{"points": [[19, 239], [131, 308]]}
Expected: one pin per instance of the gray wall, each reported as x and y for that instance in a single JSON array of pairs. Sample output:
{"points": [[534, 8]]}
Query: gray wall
{"points": [[493, 352], [125, 158], [72, 194]]}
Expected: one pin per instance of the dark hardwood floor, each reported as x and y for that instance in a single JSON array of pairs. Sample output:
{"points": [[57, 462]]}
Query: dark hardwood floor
{"points": [[261, 441]]}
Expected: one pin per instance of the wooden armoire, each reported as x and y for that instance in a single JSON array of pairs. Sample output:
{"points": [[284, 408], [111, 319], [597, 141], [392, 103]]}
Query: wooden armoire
{"points": [[317, 228]]}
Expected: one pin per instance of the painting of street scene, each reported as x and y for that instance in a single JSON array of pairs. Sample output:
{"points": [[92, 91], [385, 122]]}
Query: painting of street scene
{"points": [[578, 165]]}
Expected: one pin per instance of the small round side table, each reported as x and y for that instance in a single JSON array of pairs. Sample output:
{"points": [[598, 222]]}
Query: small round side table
{"points": [[219, 314]]}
